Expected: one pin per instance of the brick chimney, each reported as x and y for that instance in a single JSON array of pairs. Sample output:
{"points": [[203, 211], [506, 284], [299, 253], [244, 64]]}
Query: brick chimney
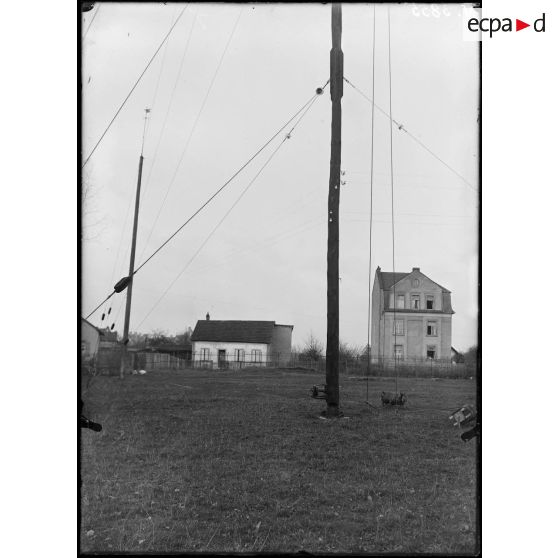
{"points": [[416, 268], [207, 316]]}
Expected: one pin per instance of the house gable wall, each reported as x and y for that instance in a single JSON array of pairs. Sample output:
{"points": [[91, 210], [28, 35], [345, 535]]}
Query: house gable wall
{"points": [[425, 287]]}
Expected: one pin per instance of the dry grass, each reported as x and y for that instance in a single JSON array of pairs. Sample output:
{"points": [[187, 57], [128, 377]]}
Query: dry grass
{"points": [[240, 462]]}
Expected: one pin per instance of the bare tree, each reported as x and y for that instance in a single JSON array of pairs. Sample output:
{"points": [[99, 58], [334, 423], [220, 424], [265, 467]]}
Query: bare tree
{"points": [[348, 352], [184, 337], [313, 348], [160, 337], [137, 339]]}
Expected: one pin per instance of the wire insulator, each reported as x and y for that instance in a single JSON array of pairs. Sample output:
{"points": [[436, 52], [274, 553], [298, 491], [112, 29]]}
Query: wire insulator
{"points": [[122, 284]]}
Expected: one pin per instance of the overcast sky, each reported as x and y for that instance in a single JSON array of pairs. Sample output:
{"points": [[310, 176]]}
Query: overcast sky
{"points": [[267, 261]]}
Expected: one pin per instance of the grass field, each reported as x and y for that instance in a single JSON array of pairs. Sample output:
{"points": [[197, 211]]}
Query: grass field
{"points": [[240, 462]]}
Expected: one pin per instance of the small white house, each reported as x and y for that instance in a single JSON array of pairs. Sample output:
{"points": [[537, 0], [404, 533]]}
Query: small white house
{"points": [[240, 343]]}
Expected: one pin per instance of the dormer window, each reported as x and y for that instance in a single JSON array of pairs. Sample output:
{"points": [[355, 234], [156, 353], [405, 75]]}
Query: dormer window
{"points": [[430, 302], [415, 302]]}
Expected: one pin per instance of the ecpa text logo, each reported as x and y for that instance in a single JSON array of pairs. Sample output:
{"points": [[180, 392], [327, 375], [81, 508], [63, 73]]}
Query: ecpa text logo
{"points": [[494, 25]]}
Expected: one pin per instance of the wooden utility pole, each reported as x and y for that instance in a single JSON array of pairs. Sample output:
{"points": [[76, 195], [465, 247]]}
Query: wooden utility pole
{"points": [[124, 358], [336, 89]]}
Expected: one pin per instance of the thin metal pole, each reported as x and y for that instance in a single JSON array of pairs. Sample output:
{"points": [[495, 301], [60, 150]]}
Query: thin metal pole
{"points": [[336, 89], [392, 212], [369, 324]]}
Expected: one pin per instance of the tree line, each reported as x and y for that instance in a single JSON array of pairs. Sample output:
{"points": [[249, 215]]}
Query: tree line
{"points": [[159, 337], [311, 349]]}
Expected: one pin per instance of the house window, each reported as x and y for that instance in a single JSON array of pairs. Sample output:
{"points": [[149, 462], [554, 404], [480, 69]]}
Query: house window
{"points": [[401, 301], [399, 327], [398, 351], [415, 282], [430, 302], [431, 329], [431, 352], [415, 302], [205, 354], [239, 355], [256, 355]]}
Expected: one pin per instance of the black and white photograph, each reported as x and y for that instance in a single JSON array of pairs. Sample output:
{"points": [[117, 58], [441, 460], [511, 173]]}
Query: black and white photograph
{"points": [[280, 231]]}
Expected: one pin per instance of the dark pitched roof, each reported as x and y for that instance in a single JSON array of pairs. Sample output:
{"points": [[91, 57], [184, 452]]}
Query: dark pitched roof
{"points": [[388, 279], [239, 331]]}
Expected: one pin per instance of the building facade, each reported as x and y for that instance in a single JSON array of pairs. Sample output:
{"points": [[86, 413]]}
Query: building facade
{"points": [[240, 343], [411, 316], [90, 339]]}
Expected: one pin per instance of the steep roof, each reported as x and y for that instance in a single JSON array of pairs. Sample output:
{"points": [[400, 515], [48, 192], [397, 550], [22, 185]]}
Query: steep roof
{"points": [[388, 279], [236, 331]]}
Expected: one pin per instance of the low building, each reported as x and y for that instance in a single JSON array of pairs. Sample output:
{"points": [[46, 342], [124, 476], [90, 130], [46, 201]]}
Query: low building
{"points": [[239, 343]]}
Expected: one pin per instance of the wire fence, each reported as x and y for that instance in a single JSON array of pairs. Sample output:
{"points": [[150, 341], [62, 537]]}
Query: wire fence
{"points": [[419, 367], [108, 361]]}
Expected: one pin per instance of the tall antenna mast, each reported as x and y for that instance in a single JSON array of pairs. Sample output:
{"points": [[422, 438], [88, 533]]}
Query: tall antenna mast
{"points": [[336, 90], [124, 359]]}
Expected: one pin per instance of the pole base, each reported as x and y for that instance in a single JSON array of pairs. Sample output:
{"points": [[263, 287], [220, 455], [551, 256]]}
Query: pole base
{"points": [[332, 412]]}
